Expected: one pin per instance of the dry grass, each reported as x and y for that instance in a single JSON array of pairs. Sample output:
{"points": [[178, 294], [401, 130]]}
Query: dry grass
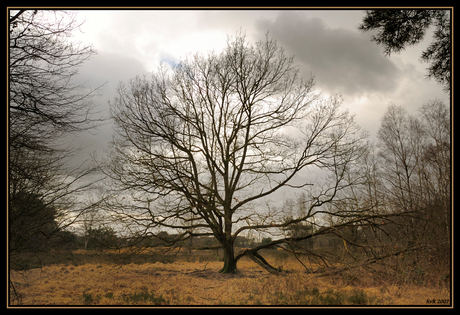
{"points": [[199, 283]]}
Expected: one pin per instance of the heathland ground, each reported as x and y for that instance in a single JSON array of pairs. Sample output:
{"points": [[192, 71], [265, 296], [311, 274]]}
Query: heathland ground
{"points": [[192, 278]]}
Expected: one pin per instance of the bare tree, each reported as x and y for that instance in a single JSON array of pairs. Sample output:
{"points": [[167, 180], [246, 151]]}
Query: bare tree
{"points": [[45, 104], [398, 213], [201, 146], [437, 157], [416, 176]]}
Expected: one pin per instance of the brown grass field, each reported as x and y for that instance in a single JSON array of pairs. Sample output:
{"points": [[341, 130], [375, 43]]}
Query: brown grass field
{"points": [[198, 283]]}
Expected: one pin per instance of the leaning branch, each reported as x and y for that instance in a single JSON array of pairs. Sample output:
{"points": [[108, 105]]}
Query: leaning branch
{"points": [[253, 252], [262, 262]]}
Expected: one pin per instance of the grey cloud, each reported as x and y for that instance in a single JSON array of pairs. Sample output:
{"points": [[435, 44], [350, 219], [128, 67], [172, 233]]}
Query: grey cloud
{"points": [[342, 60], [108, 69]]}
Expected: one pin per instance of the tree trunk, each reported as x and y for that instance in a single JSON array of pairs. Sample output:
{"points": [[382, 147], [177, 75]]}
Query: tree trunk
{"points": [[229, 258]]}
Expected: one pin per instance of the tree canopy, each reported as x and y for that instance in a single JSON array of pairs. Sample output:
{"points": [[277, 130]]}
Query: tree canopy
{"points": [[397, 29]]}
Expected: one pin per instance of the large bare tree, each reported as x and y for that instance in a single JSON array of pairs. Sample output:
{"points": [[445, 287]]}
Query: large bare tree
{"points": [[201, 147]]}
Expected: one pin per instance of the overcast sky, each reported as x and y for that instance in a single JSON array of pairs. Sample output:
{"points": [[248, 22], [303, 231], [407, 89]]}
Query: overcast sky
{"points": [[326, 44]]}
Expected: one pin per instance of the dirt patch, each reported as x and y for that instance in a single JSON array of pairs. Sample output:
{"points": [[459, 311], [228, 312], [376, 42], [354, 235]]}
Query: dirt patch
{"points": [[214, 274]]}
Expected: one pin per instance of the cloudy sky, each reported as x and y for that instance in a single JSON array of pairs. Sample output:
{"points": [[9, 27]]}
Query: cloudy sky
{"points": [[325, 43]]}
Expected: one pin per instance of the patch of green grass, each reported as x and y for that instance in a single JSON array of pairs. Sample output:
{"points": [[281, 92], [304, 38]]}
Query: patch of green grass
{"points": [[109, 295], [89, 299], [144, 297], [313, 296], [358, 298]]}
